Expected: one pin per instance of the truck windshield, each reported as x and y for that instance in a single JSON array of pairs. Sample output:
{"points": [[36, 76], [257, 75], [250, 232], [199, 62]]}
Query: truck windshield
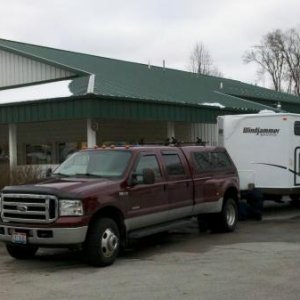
{"points": [[98, 163]]}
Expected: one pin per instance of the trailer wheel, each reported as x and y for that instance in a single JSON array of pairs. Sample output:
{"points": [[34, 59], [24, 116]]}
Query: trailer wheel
{"points": [[21, 252], [102, 243], [295, 200], [227, 219], [294, 197]]}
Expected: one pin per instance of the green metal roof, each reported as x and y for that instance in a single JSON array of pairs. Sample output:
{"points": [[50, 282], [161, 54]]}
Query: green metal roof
{"points": [[127, 82]]}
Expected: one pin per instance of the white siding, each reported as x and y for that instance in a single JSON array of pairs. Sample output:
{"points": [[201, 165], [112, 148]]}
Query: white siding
{"points": [[207, 132], [183, 132], [131, 131], [17, 70], [74, 131], [154, 132]]}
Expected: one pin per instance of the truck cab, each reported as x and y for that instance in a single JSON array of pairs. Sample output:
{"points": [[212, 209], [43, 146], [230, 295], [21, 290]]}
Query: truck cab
{"points": [[99, 198]]}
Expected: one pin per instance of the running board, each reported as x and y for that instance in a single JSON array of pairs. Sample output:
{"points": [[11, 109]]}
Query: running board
{"points": [[139, 233]]}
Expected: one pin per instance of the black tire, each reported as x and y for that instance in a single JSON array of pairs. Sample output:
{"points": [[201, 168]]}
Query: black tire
{"points": [[294, 197], [203, 223], [295, 200], [227, 219], [102, 243], [20, 251]]}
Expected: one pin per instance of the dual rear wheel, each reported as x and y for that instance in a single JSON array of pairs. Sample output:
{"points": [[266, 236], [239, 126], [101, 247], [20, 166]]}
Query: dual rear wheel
{"points": [[225, 221]]}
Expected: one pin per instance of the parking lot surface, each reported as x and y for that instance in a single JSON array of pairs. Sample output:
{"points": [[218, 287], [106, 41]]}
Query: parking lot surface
{"points": [[260, 260]]}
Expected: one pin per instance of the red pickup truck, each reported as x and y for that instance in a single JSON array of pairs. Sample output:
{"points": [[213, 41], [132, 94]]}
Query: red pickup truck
{"points": [[100, 198]]}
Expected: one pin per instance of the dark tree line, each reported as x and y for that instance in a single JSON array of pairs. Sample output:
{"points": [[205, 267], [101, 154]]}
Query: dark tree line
{"points": [[278, 56]]}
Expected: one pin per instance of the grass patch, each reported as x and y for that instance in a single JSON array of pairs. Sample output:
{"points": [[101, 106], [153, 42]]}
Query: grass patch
{"points": [[4, 175], [19, 175]]}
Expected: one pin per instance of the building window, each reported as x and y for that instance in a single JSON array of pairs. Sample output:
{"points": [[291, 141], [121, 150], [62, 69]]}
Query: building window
{"points": [[66, 149], [3, 154], [38, 154]]}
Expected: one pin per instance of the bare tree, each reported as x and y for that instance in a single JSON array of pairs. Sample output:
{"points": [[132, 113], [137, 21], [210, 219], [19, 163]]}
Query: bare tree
{"points": [[289, 45], [201, 61], [269, 58], [278, 55]]}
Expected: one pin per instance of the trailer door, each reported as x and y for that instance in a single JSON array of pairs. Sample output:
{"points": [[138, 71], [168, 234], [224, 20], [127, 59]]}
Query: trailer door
{"points": [[297, 153]]}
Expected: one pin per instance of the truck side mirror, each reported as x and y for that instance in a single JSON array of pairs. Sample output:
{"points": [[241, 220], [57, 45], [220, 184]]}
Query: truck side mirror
{"points": [[147, 177], [48, 172]]}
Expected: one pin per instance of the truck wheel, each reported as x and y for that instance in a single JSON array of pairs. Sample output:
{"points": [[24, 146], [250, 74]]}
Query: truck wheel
{"points": [[226, 220], [102, 243], [295, 201], [21, 252]]}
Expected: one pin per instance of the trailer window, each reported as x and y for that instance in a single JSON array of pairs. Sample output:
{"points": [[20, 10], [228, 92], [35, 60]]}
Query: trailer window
{"points": [[297, 128]]}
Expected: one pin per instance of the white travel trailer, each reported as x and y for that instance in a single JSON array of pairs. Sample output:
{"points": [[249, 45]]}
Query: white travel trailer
{"points": [[266, 150]]}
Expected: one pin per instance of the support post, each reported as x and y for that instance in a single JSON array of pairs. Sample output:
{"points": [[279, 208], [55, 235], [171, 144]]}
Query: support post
{"points": [[170, 130], [12, 141], [91, 134]]}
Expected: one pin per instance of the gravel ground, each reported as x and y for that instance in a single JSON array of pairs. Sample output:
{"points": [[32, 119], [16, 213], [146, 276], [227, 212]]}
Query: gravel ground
{"points": [[260, 260]]}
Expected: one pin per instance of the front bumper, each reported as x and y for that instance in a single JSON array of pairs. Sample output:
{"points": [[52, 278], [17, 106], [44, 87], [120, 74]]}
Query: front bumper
{"points": [[46, 236]]}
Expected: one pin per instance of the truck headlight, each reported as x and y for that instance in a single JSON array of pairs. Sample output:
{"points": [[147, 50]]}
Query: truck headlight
{"points": [[70, 208]]}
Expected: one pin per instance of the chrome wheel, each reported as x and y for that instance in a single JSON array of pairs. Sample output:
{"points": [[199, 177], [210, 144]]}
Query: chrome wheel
{"points": [[102, 243], [230, 214], [109, 243]]}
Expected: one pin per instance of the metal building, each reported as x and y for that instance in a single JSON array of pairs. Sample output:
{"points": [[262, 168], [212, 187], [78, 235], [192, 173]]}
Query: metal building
{"points": [[53, 102]]}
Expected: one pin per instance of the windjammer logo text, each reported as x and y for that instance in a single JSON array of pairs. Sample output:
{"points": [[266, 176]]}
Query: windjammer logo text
{"points": [[261, 131]]}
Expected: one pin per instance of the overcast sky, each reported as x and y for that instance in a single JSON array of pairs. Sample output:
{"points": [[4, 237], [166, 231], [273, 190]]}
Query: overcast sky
{"points": [[154, 30]]}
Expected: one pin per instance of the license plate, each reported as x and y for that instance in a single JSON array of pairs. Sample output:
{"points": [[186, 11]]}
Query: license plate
{"points": [[19, 238]]}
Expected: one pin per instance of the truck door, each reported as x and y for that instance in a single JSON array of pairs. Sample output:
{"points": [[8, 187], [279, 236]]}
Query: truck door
{"points": [[179, 185], [147, 203], [297, 166]]}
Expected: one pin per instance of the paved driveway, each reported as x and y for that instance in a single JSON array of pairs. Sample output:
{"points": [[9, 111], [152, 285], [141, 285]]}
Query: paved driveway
{"points": [[261, 260]]}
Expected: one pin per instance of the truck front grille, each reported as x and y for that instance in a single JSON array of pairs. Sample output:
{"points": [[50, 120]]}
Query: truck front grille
{"points": [[29, 208]]}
